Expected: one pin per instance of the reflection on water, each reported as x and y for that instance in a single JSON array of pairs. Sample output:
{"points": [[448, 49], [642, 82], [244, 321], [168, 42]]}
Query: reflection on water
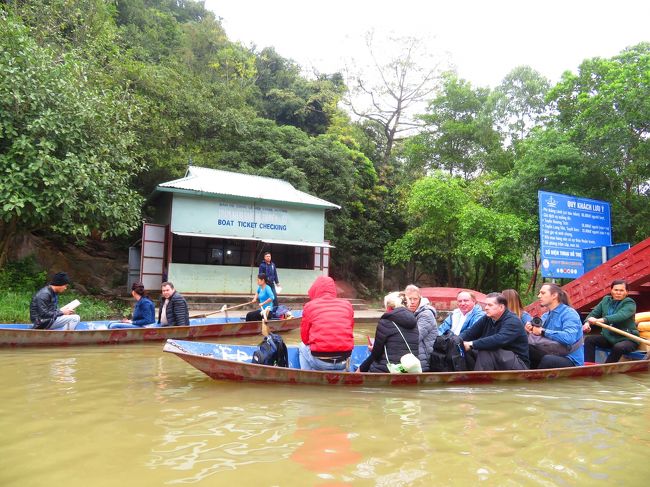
{"points": [[105, 416], [63, 370]]}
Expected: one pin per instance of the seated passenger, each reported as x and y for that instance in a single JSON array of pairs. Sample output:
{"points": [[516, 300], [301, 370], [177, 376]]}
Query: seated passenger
{"points": [[425, 315], [326, 328], [463, 317], [173, 307], [616, 310], [44, 311], [396, 335], [515, 305], [144, 312], [264, 296], [560, 344], [497, 341]]}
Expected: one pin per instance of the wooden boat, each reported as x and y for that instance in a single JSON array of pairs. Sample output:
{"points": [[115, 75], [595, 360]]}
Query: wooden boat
{"points": [[99, 333], [232, 362]]}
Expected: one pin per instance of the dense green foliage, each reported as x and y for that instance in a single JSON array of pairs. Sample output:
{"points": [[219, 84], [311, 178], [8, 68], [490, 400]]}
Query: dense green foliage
{"points": [[101, 101], [23, 278]]}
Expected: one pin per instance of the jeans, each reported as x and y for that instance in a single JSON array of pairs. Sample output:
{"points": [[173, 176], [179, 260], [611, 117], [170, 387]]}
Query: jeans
{"points": [[275, 294], [309, 362], [67, 322]]}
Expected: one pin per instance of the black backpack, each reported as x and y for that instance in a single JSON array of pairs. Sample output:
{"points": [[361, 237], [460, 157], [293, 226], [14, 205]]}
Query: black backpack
{"points": [[271, 351], [448, 354]]}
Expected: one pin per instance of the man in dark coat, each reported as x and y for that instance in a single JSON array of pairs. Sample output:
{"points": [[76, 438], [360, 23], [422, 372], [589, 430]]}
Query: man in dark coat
{"points": [[44, 310], [173, 307], [498, 340], [268, 268]]}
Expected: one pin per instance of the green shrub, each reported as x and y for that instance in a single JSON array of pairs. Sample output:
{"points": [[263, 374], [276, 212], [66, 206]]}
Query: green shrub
{"points": [[19, 281], [22, 275]]}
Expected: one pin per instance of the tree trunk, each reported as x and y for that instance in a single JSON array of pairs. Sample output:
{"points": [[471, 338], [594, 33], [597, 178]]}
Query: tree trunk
{"points": [[533, 279], [7, 233]]}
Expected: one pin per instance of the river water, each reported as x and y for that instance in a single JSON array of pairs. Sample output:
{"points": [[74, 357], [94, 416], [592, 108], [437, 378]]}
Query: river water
{"points": [[131, 415]]}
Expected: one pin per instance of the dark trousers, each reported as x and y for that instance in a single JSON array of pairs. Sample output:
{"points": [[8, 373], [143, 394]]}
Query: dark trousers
{"points": [[254, 315], [275, 294], [542, 360], [554, 362], [616, 351], [499, 359]]}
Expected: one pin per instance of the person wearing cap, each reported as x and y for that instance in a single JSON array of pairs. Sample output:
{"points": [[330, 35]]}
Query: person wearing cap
{"points": [[44, 311], [268, 268]]}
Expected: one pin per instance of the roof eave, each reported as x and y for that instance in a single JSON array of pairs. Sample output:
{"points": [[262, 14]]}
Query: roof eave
{"points": [[192, 192]]}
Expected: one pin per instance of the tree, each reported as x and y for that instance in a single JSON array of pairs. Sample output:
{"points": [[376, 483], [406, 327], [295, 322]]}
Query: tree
{"points": [[65, 145], [458, 133], [520, 102], [447, 223], [390, 92], [605, 109]]}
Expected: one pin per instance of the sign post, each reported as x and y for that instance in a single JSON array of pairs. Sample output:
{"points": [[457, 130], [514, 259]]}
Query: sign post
{"points": [[568, 224]]}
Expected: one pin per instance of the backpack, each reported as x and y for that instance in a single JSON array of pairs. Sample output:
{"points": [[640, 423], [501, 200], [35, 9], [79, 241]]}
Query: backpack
{"points": [[279, 312], [271, 351], [448, 354]]}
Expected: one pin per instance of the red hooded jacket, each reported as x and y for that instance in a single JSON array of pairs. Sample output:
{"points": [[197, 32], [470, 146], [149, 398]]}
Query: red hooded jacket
{"points": [[327, 321]]}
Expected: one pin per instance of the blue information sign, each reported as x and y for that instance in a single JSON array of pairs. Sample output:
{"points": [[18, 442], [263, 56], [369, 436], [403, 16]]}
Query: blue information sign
{"points": [[568, 224]]}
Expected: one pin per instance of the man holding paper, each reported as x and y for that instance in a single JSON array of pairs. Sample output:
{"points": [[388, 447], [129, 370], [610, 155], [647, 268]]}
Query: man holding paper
{"points": [[44, 309]]}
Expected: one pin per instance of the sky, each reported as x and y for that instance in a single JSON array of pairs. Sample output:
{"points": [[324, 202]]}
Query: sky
{"points": [[484, 40]]}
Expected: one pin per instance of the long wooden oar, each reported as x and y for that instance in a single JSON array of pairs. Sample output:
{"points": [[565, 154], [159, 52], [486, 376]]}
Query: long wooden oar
{"points": [[223, 308], [265, 324], [621, 332]]}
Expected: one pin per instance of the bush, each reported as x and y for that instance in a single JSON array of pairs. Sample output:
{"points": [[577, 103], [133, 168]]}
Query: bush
{"points": [[22, 275], [19, 280]]}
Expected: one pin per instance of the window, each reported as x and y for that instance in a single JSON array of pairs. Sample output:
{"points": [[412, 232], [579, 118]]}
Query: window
{"points": [[246, 253], [289, 256]]}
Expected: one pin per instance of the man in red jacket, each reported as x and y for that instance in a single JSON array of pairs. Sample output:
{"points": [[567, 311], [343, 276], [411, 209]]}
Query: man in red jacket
{"points": [[326, 328]]}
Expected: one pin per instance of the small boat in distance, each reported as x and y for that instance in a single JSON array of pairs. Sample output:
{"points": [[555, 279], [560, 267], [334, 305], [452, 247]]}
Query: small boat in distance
{"points": [[100, 332], [233, 362]]}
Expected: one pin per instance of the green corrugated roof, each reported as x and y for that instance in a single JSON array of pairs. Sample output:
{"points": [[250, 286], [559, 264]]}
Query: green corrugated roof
{"points": [[202, 180]]}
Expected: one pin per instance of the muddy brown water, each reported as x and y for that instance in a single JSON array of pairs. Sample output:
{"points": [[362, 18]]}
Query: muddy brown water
{"points": [[131, 415]]}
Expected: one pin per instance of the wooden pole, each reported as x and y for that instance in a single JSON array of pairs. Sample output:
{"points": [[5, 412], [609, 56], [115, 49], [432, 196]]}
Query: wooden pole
{"points": [[621, 332]]}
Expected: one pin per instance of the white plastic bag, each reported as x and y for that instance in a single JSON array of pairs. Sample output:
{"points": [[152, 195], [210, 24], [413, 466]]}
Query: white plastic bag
{"points": [[411, 364]]}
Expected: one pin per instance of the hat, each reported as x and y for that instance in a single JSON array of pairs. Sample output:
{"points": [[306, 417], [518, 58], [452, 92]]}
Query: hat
{"points": [[60, 279]]}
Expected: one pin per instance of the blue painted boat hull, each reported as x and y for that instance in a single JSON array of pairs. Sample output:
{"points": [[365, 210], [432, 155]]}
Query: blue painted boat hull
{"points": [[99, 332]]}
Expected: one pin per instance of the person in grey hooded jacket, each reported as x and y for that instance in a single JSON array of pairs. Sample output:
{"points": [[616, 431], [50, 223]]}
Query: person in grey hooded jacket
{"points": [[425, 315]]}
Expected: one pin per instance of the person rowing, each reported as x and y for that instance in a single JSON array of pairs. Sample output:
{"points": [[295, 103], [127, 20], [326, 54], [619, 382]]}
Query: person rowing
{"points": [[264, 295], [617, 310]]}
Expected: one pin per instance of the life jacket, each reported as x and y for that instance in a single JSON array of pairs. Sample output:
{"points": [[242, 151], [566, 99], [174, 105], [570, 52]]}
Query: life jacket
{"points": [[271, 351]]}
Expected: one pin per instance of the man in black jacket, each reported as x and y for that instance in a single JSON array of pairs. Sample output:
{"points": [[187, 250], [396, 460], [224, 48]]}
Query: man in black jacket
{"points": [[44, 310], [173, 307], [268, 268], [498, 340]]}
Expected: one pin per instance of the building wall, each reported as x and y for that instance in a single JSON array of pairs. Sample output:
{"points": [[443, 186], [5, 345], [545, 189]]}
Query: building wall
{"points": [[215, 216], [194, 278]]}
